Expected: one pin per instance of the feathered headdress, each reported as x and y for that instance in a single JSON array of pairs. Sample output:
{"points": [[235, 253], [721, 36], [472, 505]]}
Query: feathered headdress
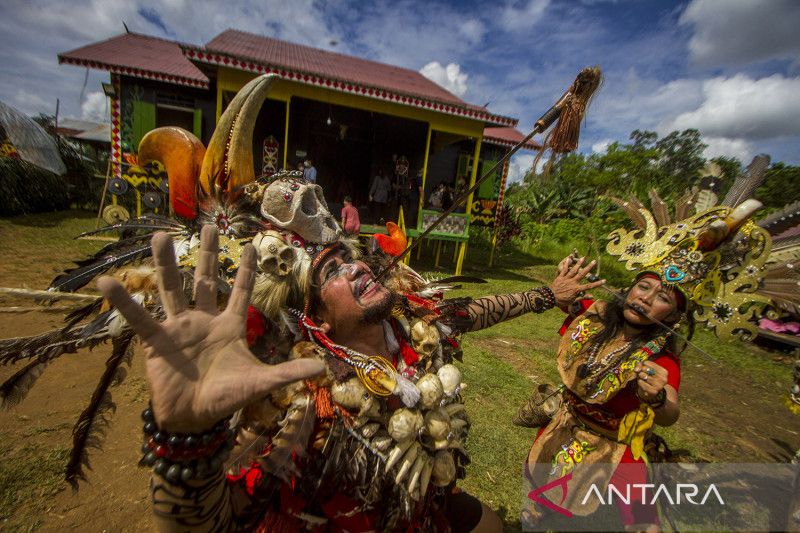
{"points": [[720, 258]]}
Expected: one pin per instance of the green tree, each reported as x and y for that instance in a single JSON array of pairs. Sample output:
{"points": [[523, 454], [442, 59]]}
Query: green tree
{"points": [[781, 186], [681, 158]]}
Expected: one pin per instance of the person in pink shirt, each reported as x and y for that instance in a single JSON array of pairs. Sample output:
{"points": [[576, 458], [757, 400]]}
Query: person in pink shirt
{"points": [[350, 221]]}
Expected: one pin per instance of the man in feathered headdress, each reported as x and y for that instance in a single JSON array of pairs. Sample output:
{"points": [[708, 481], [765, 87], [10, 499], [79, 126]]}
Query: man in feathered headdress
{"points": [[318, 398]]}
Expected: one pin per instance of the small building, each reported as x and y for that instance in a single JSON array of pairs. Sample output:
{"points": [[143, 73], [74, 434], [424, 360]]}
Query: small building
{"points": [[353, 117]]}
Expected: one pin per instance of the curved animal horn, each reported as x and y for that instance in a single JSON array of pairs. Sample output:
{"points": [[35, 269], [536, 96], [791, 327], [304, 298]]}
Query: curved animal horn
{"points": [[229, 159], [182, 154]]}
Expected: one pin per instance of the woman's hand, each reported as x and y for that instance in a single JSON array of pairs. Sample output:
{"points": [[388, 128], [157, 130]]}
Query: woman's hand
{"points": [[198, 365], [567, 285], [651, 380]]}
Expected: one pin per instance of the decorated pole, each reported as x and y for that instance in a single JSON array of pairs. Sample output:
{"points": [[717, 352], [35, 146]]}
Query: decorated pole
{"points": [[568, 110]]}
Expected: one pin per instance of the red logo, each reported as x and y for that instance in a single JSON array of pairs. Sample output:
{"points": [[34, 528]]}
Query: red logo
{"points": [[534, 495]]}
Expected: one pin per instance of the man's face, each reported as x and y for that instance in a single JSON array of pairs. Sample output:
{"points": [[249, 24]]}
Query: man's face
{"points": [[348, 294]]}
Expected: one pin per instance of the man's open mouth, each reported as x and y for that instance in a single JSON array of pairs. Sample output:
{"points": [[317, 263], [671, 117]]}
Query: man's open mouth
{"points": [[363, 285]]}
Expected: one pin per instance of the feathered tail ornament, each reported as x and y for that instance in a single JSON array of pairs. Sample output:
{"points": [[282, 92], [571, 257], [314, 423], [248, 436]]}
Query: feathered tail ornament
{"points": [[94, 421]]}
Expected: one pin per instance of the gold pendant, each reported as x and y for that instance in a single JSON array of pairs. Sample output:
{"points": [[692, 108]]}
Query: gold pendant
{"points": [[379, 377]]}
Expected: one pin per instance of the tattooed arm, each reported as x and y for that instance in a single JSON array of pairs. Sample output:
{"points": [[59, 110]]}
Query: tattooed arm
{"points": [[201, 505], [464, 314], [210, 504]]}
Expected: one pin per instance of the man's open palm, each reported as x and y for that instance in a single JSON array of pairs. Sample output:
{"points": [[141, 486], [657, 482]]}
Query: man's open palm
{"points": [[199, 367]]}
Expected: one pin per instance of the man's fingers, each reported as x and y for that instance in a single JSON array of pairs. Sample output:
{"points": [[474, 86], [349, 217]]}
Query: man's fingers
{"points": [[136, 315], [588, 268], [205, 276], [576, 267], [170, 283], [563, 266], [593, 284], [243, 286], [274, 377]]}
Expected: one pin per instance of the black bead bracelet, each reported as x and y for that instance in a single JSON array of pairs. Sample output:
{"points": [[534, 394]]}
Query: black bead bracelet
{"points": [[182, 457]]}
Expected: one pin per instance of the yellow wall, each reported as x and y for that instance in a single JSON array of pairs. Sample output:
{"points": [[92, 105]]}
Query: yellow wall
{"points": [[284, 90]]}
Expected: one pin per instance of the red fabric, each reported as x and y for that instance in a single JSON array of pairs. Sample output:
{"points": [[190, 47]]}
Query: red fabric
{"points": [[256, 325], [351, 223], [409, 355], [629, 472], [626, 401], [585, 304], [337, 510], [252, 477]]}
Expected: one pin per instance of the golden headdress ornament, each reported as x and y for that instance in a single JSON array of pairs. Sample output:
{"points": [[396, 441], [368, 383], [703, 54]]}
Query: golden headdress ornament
{"points": [[718, 258]]}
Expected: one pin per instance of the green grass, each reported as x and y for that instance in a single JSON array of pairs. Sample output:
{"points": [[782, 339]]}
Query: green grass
{"points": [[30, 245], [29, 477]]}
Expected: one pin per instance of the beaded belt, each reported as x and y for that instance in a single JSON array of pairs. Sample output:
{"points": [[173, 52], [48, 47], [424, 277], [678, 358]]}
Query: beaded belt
{"points": [[588, 413]]}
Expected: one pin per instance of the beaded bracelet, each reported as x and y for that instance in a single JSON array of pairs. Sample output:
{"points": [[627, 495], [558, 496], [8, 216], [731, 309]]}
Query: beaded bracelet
{"points": [[657, 401], [181, 457], [547, 300]]}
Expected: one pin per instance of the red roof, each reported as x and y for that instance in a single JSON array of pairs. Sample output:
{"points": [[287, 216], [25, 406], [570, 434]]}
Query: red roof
{"points": [[507, 137], [270, 51], [141, 56], [260, 54], [150, 57]]}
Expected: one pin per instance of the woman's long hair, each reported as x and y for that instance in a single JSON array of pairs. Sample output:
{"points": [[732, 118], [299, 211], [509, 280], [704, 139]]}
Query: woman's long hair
{"points": [[612, 320]]}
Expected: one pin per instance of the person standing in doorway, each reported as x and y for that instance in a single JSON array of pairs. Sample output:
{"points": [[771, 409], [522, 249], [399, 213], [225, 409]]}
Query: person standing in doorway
{"points": [[310, 172], [411, 195], [351, 223], [379, 196]]}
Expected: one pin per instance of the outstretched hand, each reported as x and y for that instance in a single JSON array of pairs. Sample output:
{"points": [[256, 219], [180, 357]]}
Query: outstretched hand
{"points": [[567, 285], [198, 365]]}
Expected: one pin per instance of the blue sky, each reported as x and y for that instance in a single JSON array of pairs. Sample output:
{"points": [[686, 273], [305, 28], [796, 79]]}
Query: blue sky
{"points": [[729, 68]]}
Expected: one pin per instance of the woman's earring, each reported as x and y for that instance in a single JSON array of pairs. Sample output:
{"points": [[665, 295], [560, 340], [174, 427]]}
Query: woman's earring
{"points": [[681, 321]]}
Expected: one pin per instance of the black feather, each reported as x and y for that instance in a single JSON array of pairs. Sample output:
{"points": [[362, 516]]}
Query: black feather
{"points": [[122, 244], [15, 388], [81, 313], [90, 430], [73, 279], [150, 223], [786, 218], [13, 350], [53, 343], [96, 325]]}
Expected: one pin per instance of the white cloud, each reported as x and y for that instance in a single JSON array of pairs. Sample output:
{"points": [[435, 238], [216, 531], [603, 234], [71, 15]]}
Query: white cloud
{"points": [[410, 34], [95, 107], [449, 77], [519, 165], [722, 146], [517, 17], [742, 107], [32, 78], [600, 147], [738, 32]]}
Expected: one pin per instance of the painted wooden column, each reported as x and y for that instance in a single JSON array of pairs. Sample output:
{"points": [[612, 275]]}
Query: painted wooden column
{"points": [[462, 253], [219, 103], [286, 133], [425, 169]]}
